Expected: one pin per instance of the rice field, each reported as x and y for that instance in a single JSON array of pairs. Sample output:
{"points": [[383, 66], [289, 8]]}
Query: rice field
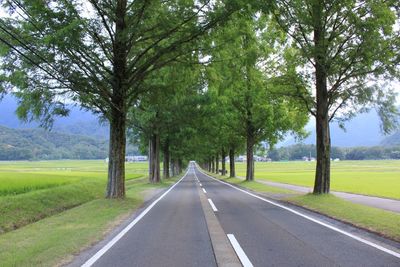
{"points": [[23, 176], [370, 177]]}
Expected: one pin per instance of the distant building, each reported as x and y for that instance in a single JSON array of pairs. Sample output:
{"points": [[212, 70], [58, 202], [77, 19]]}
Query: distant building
{"points": [[136, 158], [241, 158], [308, 159]]}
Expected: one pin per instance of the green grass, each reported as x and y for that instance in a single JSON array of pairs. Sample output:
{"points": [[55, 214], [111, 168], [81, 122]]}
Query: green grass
{"points": [[31, 191], [53, 241], [255, 186], [17, 211], [377, 178], [50, 210], [22, 177], [18, 183], [383, 222]]}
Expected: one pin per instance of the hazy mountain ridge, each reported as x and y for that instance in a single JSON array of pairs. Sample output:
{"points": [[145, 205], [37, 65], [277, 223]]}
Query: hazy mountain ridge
{"points": [[391, 140], [363, 130], [78, 122], [34, 144]]}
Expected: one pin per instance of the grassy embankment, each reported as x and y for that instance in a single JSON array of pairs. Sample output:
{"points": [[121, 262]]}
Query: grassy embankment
{"points": [[384, 174], [60, 216]]}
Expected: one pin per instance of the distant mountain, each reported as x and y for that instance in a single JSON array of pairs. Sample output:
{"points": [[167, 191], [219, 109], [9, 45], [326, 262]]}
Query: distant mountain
{"points": [[78, 122], [34, 144], [363, 130], [391, 140], [80, 135]]}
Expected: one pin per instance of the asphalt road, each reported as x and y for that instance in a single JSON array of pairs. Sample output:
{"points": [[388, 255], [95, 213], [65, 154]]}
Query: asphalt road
{"points": [[174, 233]]}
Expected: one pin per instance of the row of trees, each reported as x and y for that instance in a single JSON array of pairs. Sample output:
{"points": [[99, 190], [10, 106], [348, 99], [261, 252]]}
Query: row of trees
{"points": [[298, 152], [202, 79]]}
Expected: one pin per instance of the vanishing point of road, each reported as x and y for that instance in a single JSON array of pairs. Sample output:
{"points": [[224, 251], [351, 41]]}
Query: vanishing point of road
{"points": [[201, 221]]}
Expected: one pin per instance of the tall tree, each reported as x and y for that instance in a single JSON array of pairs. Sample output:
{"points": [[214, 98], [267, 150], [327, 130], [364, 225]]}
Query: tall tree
{"points": [[96, 53], [248, 75], [345, 50], [157, 117]]}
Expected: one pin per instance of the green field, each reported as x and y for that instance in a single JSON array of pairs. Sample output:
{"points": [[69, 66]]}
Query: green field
{"points": [[51, 210], [23, 176], [31, 191], [370, 177]]}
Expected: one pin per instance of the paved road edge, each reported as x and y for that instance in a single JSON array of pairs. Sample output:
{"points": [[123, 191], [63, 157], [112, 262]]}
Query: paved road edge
{"points": [[137, 218]]}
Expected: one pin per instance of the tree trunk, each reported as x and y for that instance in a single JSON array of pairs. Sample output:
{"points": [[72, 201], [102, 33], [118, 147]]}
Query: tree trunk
{"points": [[232, 172], [212, 165], [150, 158], [217, 163], [223, 156], [180, 165], [155, 159], [172, 167], [116, 163], [322, 173], [249, 157], [117, 116], [166, 160]]}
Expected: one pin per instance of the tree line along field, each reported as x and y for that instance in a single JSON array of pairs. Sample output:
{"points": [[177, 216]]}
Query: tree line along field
{"points": [[370, 177]]}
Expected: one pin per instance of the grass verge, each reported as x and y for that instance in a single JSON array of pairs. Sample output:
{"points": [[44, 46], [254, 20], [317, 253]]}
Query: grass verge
{"points": [[255, 186], [54, 240], [366, 177], [384, 223]]}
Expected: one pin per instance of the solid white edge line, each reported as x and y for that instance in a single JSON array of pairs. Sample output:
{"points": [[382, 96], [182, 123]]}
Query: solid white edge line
{"points": [[239, 251], [362, 240], [205, 192], [212, 204], [200, 184], [103, 250]]}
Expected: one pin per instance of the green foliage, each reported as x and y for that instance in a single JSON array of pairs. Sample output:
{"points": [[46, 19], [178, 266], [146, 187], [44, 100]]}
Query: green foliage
{"points": [[357, 47], [243, 77], [56, 50]]}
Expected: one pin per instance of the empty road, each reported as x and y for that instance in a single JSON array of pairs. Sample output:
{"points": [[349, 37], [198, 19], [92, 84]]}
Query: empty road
{"points": [[173, 231]]}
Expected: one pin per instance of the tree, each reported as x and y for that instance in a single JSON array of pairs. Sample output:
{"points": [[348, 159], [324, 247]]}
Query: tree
{"points": [[157, 117], [248, 78], [96, 53], [345, 48]]}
